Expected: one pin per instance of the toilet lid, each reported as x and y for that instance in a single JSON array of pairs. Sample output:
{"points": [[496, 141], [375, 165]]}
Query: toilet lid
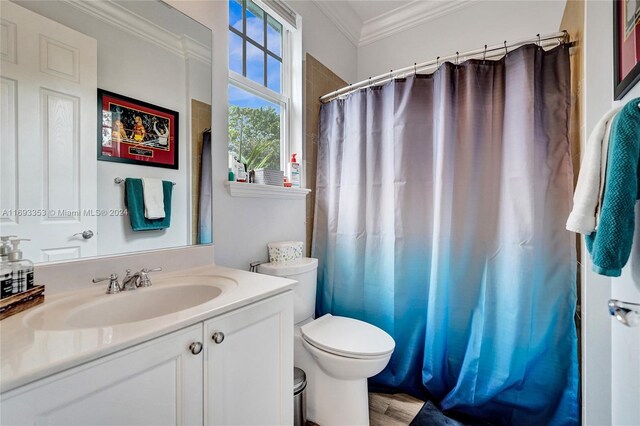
{"points": [[348, 337]]}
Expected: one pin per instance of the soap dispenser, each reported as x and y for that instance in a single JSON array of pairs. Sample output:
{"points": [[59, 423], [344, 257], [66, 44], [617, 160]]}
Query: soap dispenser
{"points": [[5, 248], [6, 272], [6, 279], [22, 269]]}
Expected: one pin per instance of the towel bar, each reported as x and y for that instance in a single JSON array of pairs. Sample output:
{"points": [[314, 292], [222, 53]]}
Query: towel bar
{"points": [[120, 180]]}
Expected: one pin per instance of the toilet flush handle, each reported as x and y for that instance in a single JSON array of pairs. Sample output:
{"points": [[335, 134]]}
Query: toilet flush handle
{"points": [[218, 337]]}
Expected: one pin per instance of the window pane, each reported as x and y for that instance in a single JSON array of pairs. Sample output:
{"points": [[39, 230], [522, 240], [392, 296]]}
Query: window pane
{"points": [[274, 74], [254, 130], [235, 52], [255, 23], [235, 14], [255, 64], [274, 36]]}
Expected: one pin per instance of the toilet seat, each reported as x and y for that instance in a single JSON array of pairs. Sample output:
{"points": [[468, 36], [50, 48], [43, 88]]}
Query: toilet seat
{"points": [[348, 337]]}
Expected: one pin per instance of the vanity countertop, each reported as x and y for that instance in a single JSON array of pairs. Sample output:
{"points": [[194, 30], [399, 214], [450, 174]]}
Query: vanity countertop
{"points": [[29, 353]]}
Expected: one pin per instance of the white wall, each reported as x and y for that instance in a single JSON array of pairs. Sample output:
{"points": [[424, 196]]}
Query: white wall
{"points": [[596, 289], [166, 89], [469, 28], [322, 40], [243, 226], [625, 342], [611, 352]]}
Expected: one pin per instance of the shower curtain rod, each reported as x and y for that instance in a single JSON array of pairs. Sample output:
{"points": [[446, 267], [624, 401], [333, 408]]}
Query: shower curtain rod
{"points": [[485, 53]]}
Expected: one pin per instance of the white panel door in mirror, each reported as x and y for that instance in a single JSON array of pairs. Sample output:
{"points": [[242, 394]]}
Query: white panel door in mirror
{"points": [[49, 194], [8, 153]]}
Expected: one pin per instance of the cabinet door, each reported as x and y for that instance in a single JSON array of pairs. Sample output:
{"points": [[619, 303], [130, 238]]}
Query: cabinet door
{"points": [[249, 372], [154, 383]]}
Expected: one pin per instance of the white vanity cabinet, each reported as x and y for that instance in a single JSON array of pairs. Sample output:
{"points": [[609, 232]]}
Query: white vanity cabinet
{"points": [[244, 379], [155, 383], [249, 368]]}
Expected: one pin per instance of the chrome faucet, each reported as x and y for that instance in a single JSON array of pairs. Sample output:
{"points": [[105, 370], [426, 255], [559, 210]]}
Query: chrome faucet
{"points": [[131, 282], [139, 279]]}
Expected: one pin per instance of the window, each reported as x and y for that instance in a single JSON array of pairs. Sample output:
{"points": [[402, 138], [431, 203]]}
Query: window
{"points": [[254, 129], [259, 98]]}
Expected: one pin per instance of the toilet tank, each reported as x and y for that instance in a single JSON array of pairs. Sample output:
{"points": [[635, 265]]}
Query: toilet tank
{"points": [[305, 271]]}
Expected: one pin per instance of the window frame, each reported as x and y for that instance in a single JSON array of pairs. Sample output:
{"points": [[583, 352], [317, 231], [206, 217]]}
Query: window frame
{"points": [[244, 83]]}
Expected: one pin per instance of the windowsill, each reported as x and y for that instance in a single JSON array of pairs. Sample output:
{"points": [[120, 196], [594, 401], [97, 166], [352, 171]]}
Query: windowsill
{"points": [[254, 190]]}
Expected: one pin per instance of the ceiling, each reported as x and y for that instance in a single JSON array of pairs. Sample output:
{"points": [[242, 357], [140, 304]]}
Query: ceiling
{"points": [[367, 10], [365, 21]]}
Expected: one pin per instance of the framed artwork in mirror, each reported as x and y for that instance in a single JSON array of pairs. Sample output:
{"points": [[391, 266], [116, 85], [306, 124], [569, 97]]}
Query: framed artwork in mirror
{"points": [[136, 132], [626, 46]]}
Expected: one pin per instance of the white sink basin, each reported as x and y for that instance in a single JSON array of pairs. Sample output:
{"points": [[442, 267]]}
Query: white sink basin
{"points": [[103, 310]]}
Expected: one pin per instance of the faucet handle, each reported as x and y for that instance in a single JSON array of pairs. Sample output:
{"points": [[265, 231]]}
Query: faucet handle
{"points": [[114, 285], [145, 280]]}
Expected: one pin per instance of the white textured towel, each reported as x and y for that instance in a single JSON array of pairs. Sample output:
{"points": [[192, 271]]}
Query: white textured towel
{"points": [[153, 198], [586, 198]]}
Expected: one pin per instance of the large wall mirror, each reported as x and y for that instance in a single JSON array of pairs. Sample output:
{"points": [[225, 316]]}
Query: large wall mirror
{"points": [[55, 57]]}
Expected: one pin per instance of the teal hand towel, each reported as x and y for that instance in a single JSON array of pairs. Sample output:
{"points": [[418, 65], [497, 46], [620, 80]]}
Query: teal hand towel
{"points": [[134, 201], [610, 244]]}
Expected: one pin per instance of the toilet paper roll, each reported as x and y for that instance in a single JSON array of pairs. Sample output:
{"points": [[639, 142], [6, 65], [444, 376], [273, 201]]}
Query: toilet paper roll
{"points": [[285, 251]]}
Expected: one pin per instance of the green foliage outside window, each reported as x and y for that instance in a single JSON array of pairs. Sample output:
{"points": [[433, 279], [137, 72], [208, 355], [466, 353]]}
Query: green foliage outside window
{"points": [[254, 136]]}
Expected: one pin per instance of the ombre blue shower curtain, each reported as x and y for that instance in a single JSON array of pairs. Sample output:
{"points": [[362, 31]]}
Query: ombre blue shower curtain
{"points": [[440, 212]]}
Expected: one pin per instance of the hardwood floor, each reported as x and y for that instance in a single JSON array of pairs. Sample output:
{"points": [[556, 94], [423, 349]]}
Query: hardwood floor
{"points": [[392, 409]]}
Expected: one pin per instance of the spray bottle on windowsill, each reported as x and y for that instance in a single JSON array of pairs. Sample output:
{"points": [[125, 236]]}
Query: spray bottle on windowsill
{"points": [[294, 171]]}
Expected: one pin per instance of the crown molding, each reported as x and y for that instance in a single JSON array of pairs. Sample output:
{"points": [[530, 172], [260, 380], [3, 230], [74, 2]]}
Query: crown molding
{"points": [[193, 49], [344, 18], [405, 17], [140, 27]]}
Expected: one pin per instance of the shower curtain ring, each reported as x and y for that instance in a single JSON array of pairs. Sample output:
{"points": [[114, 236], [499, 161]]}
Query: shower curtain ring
{"points": [[390, 74], [539, 41], [457, 58], [438, 62], [415, 68], [506, 52], [484, 55]]}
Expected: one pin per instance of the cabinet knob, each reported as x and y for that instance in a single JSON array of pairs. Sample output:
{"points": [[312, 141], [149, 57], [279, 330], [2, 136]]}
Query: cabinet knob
{"points": [[195, 348], [218, 337]]}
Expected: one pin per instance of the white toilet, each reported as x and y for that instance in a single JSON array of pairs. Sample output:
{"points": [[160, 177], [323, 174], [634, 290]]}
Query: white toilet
{"points": [[338, 354]]}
